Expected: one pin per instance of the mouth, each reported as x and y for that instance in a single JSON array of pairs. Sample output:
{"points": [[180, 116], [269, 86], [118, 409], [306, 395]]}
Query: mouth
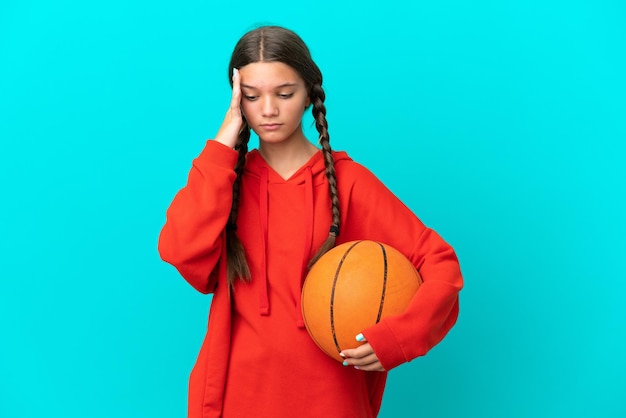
{"points": [[270, 126]]}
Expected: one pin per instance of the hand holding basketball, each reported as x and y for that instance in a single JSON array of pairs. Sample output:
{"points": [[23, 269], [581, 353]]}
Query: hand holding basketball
{"points": [[362, 358]]}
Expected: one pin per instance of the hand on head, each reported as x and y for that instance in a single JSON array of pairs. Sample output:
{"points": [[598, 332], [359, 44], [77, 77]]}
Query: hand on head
{"points": [[231, 126]]}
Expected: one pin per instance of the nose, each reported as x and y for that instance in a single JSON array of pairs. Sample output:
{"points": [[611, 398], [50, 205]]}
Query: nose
{"points": [[269, 107]]}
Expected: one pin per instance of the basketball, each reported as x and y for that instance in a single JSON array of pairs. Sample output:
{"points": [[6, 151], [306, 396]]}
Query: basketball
{"points": [[352, 287]]}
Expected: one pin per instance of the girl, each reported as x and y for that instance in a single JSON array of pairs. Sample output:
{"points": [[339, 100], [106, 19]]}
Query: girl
{"points": [[247, 226]]}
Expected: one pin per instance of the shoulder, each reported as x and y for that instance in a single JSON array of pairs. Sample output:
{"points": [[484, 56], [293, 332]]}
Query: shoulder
{"points": [[351, 171]]}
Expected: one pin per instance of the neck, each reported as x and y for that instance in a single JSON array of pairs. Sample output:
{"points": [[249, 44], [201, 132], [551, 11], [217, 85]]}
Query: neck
{"points": [[287, 157]]}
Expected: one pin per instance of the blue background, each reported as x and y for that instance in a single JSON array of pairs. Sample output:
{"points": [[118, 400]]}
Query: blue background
{"points": [[500, 123]]}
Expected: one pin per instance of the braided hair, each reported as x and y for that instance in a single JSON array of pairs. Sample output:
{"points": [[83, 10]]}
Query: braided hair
{"points": [[277, 44], [237, 266], [318, 96]]}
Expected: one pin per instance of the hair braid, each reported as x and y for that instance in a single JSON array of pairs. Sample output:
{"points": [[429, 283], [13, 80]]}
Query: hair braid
{"points": [[236, 256], [318, 96]]}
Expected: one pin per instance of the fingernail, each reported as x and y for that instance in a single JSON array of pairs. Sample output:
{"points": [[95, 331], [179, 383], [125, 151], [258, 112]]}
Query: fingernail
{"points": [[357, 367], [235, 71], [345, 363], [360, 337], [342, 355]]}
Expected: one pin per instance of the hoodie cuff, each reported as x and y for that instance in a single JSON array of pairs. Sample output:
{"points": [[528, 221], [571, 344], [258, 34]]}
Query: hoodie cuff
{"points": [[385, 345], [217, 154]]}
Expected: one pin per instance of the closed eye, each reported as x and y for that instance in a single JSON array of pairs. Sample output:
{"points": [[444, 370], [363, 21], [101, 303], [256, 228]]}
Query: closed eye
{"points": [[250, 98], [285, 95]]}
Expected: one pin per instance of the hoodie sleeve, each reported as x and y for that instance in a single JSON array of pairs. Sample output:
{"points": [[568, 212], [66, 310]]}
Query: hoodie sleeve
{"points": [[191, 239], [376, 213]]}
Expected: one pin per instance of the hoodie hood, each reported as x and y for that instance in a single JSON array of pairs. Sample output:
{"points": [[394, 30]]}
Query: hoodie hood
{"points": [[309, 187]]}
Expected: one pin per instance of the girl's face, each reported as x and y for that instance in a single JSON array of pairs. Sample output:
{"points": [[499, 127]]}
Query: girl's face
{"points": [[273, 101]]}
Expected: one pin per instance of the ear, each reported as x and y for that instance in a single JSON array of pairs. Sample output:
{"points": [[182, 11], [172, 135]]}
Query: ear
{"points": [[308, 103]]}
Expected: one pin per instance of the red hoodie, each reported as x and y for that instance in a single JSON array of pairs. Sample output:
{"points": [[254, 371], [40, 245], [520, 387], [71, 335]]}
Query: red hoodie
{"points": [[257, 358]]}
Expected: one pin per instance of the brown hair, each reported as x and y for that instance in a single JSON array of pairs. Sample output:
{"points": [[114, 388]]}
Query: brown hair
{"points": [[276, 44]]}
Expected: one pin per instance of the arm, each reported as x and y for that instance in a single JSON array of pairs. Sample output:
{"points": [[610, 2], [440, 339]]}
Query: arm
{"points": [[191, 239], [377, 214]]}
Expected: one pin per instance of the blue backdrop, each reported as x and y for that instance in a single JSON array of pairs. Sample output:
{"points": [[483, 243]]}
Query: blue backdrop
{"points": [[500, 123]]}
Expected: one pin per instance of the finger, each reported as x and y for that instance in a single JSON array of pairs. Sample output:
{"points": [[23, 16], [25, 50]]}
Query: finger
{"points": [[367, 363], [235, 102], [373, 367], [358, 352], [364, 360]]}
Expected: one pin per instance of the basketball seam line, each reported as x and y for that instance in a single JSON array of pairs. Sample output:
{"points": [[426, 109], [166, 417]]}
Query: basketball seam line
{"points": [[332, 296], [384, 290]]}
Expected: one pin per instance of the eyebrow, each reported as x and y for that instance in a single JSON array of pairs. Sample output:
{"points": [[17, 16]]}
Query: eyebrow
{"points": [[277, 87]]}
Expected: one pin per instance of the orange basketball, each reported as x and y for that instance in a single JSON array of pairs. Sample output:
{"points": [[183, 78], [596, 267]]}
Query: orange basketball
{"points": [[352, 287]]}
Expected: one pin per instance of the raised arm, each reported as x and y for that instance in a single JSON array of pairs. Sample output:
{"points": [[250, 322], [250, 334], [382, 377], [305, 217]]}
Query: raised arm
{"points": [[192, 238]]}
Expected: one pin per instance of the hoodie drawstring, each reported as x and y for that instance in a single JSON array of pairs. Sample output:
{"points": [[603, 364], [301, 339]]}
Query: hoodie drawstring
{"points": [[308, 238], [264, 305]]}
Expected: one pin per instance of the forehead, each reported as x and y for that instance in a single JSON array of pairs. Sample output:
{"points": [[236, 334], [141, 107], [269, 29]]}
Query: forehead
{"points": [[264, 75]]}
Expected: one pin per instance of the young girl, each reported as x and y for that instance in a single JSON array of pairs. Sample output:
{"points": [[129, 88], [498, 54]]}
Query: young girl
{"points": [[248, 225]]}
